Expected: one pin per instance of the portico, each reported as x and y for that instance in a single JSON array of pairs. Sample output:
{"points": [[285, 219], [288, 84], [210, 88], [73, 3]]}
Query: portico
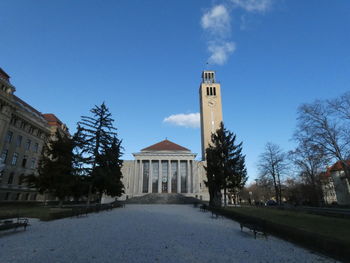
{"points": [[164, 167]]}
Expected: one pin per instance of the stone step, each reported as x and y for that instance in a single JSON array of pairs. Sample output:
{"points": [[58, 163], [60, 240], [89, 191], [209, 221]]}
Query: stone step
{"points": [[162, 199]]}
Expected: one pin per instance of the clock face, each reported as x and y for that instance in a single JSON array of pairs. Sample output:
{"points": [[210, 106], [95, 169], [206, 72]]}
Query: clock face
{"points": [[211, 103]]}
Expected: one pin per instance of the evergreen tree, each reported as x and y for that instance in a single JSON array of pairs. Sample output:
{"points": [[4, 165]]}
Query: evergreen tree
{"points": [[225, 165], [100, 152], [108, 173], [55, 168]]}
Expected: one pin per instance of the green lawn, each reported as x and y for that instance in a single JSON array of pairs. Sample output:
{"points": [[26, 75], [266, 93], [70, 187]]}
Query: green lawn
{"points": [[30, 211], [336, 228]]}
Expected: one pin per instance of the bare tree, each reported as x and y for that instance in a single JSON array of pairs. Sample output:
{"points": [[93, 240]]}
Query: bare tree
{"points": [[341, 106], [273, 164], [310, 160], [318, 126]]}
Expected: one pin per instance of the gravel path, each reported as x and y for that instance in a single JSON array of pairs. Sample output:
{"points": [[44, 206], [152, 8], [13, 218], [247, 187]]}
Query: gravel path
{"points": [[146, 233]]}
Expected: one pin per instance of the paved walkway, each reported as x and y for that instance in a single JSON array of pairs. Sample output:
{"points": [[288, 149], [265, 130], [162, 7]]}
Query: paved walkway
{"points": [[146, 233]]}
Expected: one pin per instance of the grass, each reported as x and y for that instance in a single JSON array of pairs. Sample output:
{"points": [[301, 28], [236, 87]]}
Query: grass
{"points": [[30, 211], [45, 213], [334, 228]]}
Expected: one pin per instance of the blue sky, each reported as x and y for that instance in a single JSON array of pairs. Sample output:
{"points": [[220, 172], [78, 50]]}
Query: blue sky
{"points": [[144, 59]]}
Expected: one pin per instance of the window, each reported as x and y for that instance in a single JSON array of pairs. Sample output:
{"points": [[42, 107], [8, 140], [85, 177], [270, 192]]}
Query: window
{"points": [[23, 125], [13, 120], [4, 155], [36, 147], [32, 164], [183, 175], [155, 176], [27, 196], [18, 196], [9, 136], [10, 180], [1, 176], [19, 141], [7, 196], [28, 143], [173, 176], [21, 179], [14, 159], [207, 91], [211, 91], [145, 166], [31, 129], [214, 90], [164, 176], [24, 161]]}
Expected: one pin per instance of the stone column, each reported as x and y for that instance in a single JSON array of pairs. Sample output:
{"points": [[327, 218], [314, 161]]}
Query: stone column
{"points": [[134, 190], [160, 177], [150, 177], [178, 177], [193, 177], [169, 176], [188, 177], [140, 177]]}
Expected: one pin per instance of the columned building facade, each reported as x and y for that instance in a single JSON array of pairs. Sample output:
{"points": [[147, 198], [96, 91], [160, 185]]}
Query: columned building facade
{"points": [[163, 168]]}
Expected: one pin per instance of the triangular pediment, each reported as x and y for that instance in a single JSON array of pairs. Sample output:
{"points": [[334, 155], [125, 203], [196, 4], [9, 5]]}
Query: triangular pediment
{"points": [[165, 145]]}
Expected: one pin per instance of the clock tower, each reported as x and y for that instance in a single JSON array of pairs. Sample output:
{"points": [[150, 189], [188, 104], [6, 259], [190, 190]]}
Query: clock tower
{"points": [[211, 107]]}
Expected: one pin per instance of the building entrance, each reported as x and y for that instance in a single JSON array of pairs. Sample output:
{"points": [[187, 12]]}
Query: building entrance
{"points": [[164, 185]]}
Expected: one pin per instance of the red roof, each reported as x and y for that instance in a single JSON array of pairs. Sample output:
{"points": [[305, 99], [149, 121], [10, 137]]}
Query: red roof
{"points": [[49, 117], [338, 166], [335, 167], [165, 145]]}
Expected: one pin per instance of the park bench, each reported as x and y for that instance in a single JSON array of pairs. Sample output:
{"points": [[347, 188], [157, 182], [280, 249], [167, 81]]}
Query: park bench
{"points": [[119, 205], [79, 211], [253, 226], [107, 207], [6, 224], [203, 208], [215, 214]]}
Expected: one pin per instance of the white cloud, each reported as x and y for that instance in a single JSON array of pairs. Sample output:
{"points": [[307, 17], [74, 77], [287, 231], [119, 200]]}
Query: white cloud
{"points": [[191, 120], [220, 52], [216, 23], [253, 5], [217, 20]]}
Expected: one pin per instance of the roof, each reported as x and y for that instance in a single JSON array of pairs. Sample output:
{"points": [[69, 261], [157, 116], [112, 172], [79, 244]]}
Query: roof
{"points": [[165, 145], [4, 75], [25, 104], [338, 166], [335, 167], [50, 117]]}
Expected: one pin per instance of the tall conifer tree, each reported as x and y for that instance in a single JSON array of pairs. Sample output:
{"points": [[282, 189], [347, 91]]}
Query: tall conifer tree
{"points": [[225, 165], [100, 152]]}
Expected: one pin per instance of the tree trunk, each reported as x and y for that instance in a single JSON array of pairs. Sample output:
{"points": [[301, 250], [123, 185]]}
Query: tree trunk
{"points": [[89, 195], [225, 203], [216, 201], [276, 189], [100, 197]]}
